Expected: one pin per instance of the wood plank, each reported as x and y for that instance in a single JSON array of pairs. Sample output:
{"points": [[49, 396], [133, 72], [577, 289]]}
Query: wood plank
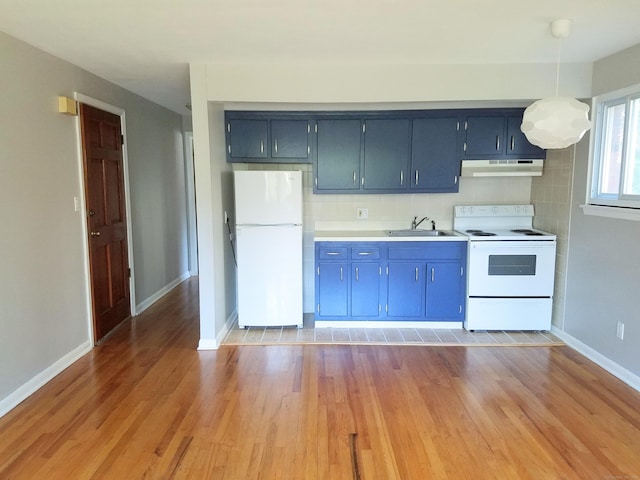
{"points": [[147, 404]]}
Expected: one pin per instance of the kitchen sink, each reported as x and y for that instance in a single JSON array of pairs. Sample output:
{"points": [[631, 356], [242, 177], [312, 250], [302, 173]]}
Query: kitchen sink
{"points": [[417, 233]]}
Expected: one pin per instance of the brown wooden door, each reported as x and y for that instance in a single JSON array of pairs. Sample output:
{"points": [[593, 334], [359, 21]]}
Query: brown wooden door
{"points": [[106, 219]]}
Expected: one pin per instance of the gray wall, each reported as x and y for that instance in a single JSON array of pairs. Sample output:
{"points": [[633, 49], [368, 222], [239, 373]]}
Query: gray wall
{"points": [[604, 258], [44, 306]]}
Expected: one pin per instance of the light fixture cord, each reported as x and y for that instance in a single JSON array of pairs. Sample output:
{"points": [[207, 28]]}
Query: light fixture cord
{"points": [[558, 66]]}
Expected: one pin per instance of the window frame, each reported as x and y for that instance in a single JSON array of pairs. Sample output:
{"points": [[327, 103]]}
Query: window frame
{"points": [[600, 204]]}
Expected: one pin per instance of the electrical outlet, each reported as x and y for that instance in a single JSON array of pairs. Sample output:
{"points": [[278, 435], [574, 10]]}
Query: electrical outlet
{"points": [[362, 213], [620, 331]]}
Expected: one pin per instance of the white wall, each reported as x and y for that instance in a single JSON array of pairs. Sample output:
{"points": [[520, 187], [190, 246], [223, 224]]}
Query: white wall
{"points": [[44, 307], [313, 87]]}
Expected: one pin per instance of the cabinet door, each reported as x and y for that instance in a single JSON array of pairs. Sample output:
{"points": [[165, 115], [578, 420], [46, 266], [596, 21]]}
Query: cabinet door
{"points": [[365, 289], [338, 155], [290, 139], [444, 291], [405, 289], [332, 289], [434, 155], [386, 154], [247, 138], [484, 136], [517, 143]]}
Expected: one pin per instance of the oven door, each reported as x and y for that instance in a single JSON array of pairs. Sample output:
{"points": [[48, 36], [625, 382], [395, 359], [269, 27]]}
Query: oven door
{"points": [[506, 268]]}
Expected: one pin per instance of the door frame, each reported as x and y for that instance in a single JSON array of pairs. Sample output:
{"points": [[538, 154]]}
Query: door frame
{"points": [[81, 203]]}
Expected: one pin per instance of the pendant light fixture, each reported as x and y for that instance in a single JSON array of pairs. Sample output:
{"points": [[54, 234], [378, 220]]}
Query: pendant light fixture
{"points": [[556, 122]]}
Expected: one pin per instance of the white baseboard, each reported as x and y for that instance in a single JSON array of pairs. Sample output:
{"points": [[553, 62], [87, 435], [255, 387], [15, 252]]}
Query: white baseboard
{"points": [[142, 306], [214, 343], [609, 365], [22, 393], [208, 344]]}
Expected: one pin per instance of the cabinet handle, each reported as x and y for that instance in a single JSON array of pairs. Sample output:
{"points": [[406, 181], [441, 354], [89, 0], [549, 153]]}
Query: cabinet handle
{"points": [[497, 142], [229, 149], [513, 142], [354, 177], [416, 274], [464, 147], [401, 178], [341, 277], [261, 146], [229, 127], [433, 275], [308, 150], [276, 145], [357, 275], [332, 253], [417, 177], [455, 180], [365, 253]]}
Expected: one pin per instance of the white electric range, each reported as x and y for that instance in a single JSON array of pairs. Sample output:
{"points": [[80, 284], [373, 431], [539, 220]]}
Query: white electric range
{"points": [[510, 269]]}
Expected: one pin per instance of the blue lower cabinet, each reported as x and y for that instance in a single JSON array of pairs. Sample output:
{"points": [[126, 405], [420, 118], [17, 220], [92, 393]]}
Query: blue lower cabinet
{"points": [[365, 289], [332, 289], [445, 291], [405, 290], [414, 281]]}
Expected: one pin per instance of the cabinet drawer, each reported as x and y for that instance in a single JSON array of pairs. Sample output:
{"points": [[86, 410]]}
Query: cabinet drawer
{"points": [[427, 252], [365, 253], [332, 253]]}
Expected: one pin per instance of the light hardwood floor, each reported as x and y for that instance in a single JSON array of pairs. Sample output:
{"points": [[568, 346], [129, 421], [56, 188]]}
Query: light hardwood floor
{"points": [[146, 404]]}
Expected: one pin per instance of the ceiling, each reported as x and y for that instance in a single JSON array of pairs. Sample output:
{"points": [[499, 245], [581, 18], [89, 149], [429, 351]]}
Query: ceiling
{"points": [[145, 46]]}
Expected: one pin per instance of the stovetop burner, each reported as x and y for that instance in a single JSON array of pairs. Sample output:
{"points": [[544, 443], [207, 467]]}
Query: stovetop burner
{"points": [[527, 231], [480, 233]]}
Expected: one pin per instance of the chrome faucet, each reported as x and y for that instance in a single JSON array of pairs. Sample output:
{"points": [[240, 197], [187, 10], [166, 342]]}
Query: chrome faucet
{"points": [[415, 223]]}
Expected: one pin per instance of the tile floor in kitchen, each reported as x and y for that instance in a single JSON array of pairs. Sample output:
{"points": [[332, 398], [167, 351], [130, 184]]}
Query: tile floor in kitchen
{"points": [[390, 336]]}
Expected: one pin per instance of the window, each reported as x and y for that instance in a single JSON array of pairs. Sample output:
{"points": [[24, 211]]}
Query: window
{"points": [[615, 176]]}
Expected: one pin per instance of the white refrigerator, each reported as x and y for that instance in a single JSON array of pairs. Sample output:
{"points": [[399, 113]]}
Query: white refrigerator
{"points": [[269, 242]]}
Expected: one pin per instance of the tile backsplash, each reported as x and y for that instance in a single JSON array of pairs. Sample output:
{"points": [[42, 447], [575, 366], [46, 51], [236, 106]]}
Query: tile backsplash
{"points": [[336, 212]]}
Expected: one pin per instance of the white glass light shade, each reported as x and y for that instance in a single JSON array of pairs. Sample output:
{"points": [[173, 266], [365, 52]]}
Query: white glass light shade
{"points": [[555, 122]]}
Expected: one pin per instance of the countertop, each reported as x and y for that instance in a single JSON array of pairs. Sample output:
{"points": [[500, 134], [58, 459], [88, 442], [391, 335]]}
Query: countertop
{"points": [[380, 236]]}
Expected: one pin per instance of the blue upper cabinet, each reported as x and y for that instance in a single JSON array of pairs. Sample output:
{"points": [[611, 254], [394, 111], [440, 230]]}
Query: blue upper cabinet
{"points": [[495, 134], [435, 164], [386, 154], [268, 137], [517, 143], [247, 139], [337, 167], [290, 139]]}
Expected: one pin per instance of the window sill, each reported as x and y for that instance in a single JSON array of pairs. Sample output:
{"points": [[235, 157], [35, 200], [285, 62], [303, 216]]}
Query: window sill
{"points": [[621, 213]]}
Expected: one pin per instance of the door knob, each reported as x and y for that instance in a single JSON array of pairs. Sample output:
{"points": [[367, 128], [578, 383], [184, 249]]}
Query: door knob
{"points": [[92, 213], [95, 234]]}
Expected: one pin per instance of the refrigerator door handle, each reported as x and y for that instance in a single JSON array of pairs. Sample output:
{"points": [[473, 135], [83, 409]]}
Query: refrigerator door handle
{"points": [[268, 225]]}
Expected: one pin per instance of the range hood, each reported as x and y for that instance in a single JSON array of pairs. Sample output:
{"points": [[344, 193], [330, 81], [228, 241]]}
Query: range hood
{"points": [[501, 168]]}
